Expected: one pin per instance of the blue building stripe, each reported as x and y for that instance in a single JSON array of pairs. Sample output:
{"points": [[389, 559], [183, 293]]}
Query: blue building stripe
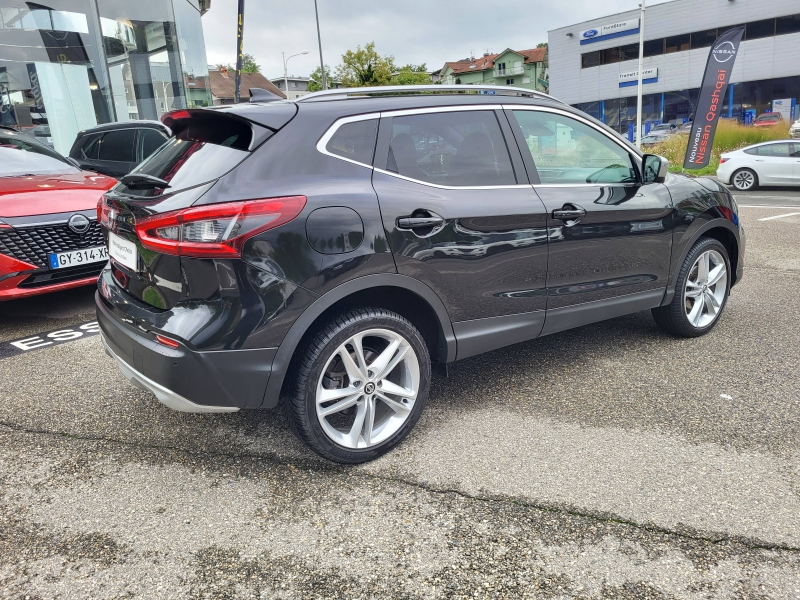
{"points": [[610, 36], [636, 82]]}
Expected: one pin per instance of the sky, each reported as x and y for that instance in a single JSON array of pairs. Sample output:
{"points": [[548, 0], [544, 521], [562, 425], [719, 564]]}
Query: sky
{"points": [[413, 31]]}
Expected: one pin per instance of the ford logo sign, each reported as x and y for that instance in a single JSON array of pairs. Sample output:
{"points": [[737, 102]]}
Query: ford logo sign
{"points": [[590, 33]]}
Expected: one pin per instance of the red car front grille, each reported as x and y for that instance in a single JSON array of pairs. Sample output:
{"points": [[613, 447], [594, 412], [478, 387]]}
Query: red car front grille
{"points": [[33, 244]]}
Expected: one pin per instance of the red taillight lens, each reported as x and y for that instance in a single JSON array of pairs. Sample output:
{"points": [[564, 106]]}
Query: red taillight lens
{"points": [[166, 341], [216, 230], [722, 160], [105, 213]]}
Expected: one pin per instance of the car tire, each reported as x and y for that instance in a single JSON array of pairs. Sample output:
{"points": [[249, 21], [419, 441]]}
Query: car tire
{"points": [[744, 180], [701, 291], [387, 380]]}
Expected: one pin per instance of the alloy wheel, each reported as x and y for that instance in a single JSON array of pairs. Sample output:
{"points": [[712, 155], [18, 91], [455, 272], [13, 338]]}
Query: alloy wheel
{"points": [[744, 180], [705, 289], [368, 388]]}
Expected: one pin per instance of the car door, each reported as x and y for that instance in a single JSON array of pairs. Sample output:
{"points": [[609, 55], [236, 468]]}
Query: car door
{"points": [[116, 152], [461, 217], [147, 142], [795, 154], [610, 236], [774, 164]]}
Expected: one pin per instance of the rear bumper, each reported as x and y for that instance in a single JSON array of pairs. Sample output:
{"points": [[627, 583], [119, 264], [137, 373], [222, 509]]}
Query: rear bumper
{"points": [[182, 378]]}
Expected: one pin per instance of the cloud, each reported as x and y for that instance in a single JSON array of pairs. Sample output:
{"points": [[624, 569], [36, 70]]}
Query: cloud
{"points": [[413, 31]]}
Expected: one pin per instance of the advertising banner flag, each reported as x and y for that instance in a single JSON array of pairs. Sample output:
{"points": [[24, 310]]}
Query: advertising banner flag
{"points": [[712, 94]]}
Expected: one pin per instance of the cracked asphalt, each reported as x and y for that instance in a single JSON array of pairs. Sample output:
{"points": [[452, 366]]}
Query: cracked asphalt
{"points": [[609, 461]]}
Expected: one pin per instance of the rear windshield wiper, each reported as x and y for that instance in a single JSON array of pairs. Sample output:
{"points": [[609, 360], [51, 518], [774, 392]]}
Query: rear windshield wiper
{"points": [[142, 181]]}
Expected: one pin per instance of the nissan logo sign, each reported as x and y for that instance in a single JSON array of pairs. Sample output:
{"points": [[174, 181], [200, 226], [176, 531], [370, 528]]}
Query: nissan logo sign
{"points": [[590, 33], [724, 52], [78, 223]]}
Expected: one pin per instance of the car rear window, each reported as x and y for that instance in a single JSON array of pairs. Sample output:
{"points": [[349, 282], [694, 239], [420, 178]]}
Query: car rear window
{"points": [[203, 149], [18, 156]]}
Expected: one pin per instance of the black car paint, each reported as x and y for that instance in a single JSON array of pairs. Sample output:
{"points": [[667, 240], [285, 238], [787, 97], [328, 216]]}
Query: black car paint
{"points": [[268, 300]]}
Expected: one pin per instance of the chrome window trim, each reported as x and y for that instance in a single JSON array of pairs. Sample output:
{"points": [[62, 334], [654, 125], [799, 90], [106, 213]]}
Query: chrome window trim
{"points": [[326, 137], [454, 187]]}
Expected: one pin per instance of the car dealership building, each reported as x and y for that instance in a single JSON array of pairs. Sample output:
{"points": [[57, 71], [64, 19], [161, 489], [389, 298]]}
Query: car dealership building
{"points": [[69, 65], [594, 64]]}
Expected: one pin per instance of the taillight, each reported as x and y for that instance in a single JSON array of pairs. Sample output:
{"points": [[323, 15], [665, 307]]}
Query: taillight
{"points": [[215, 230], [722, 159], [106, 215]]}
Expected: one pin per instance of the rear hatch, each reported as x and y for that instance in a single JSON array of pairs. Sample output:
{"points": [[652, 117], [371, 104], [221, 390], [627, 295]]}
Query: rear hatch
{"points": [[206, 145]]}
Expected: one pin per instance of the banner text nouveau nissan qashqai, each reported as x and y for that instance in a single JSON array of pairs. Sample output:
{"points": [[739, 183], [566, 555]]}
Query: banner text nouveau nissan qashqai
{"points": [[327, 254]]}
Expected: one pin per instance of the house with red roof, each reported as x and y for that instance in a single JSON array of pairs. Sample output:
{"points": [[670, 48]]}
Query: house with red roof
{"points": [[520, 68]]}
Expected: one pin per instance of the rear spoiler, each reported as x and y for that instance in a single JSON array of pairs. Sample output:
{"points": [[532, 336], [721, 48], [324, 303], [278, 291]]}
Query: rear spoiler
{"points": [[262, 95]]}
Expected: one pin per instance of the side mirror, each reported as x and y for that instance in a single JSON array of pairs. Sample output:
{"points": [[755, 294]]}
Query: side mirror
{"points": [[654, 168]]}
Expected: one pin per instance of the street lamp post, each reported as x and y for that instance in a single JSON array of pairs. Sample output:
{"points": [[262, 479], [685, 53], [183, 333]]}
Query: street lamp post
{"points": [[285, 75], [639, 85]]}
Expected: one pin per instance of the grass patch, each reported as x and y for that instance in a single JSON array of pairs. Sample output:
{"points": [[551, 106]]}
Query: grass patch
{"points": [[730, 135]]}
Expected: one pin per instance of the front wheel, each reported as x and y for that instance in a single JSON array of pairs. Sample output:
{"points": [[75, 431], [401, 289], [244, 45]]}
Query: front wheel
{"points": [[744, 180], [362, 383], [701, 291]]}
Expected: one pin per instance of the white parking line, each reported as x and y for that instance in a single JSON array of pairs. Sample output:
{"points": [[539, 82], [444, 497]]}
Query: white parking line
{"points": [[765, 206], [780, 216]]}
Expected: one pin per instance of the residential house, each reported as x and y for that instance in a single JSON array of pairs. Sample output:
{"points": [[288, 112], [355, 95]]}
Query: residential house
{"points": [[223, 86], [298, 86], [520, 68]]}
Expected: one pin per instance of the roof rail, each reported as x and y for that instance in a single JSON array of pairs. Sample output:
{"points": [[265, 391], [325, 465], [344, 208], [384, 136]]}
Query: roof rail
{"points": [[503, 90]]}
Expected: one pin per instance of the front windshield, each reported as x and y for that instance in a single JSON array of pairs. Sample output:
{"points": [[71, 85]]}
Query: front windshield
{"points": [[20, 156]]}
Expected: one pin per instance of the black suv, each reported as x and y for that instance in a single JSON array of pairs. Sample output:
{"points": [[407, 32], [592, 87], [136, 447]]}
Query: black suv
{"points": [[326, 255], [114, 149]]}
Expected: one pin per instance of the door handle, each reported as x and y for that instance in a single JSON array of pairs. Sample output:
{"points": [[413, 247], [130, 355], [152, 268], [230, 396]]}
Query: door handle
{"points": [[568, 213], [419, 222]]}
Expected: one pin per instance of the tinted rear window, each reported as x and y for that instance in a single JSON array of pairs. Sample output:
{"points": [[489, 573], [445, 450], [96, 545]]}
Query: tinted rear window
{"points": [[117, 146], [355, 141], [203, 149]]}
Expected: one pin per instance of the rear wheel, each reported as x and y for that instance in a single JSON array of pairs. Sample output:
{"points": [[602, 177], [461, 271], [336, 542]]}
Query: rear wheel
{"points": [[701, 291], [362, 383], [744, 180]]}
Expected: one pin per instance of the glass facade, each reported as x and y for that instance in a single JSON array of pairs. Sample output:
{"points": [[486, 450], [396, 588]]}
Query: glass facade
{"points": [[678, 106], [73, 64]]}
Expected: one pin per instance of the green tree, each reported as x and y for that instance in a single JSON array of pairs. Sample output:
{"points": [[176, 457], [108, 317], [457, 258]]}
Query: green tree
{"points": [[315, 79], [365, 67], [412, 75], [541, 45], [249, 65]]}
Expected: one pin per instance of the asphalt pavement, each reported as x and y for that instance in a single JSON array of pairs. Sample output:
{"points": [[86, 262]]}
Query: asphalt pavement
{"points": [[610, 461]]}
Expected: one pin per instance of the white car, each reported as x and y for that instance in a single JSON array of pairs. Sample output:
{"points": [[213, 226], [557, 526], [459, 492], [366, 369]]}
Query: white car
{"points": [[769, 163], [794, 130]]}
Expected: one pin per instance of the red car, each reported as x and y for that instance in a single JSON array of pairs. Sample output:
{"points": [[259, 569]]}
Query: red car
{"points": [[768, 120], [49, 236]]}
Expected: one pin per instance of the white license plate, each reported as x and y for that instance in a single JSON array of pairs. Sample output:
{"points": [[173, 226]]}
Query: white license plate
{"points": [[123, 251], [76, 258]]}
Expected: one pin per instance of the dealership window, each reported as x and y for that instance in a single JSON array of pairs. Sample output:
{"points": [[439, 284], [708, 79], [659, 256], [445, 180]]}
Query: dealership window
{"points": [[786, 25], [629, 52], [703, 39], [654, 47], [760, 29], [678, 43], [590, 59]]}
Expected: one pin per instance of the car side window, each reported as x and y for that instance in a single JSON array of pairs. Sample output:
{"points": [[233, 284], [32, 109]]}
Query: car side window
{"points": [[567, 151], [117, 146], [776, 150], [355, 141], [459, 148], [150, 140], [91, 146]]}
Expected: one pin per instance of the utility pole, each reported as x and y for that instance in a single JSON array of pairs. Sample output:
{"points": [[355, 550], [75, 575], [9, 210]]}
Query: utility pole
{"points": [[639, 86], [319, 41], [239, 49]]}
